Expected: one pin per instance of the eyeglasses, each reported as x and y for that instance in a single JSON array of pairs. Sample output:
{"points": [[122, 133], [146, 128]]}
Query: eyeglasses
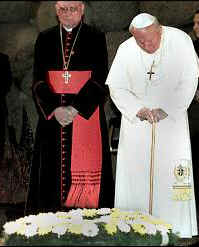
{"points": [[67, 9]]}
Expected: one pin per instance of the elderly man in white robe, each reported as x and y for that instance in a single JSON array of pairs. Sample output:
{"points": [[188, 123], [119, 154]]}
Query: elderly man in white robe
{"points": [[152, 81]]}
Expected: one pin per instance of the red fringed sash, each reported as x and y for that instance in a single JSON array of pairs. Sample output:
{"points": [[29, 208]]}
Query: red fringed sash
{"points": [[86, 163], [86, 156]]}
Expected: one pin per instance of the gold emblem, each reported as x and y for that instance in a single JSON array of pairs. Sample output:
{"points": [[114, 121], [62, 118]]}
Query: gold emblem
{"points": [[182, 189], [181, 172]]}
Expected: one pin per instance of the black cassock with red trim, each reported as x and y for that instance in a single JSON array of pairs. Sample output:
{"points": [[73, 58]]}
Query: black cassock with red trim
{"points": [[71, 166]]}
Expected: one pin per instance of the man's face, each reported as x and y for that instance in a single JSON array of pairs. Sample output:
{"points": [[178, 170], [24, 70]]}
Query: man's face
{"points": [[148, 38], [69, 12], [196, 25]]}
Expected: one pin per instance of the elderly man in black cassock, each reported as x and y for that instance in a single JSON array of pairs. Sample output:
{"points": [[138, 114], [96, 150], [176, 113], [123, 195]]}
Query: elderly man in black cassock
{"points": [[6, 80], [71, 165]]}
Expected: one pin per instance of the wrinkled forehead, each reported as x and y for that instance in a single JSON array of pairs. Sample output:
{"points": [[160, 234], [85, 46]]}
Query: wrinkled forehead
{"points": [[145, 33], [68, 3]]}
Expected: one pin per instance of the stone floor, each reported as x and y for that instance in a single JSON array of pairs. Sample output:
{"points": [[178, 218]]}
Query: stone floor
{"points": [[12, 212]]}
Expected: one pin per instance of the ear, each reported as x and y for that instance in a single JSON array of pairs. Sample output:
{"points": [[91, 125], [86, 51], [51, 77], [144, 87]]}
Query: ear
{"points": [[132, 31], [82, 8], [56, 6]]}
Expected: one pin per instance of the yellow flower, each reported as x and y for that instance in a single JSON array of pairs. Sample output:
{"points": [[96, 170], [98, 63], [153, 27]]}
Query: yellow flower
{"points": [[139, 228], [155, 221], [114, 210], [111, 228], [168, 226], [62, 215], [159, 221], [131, 216], [89, 212], [115, 213], [135, 215], [74, 222]]}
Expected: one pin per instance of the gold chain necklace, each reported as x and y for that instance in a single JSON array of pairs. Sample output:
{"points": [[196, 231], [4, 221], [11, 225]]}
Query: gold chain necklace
{"points": [[62, 47]]}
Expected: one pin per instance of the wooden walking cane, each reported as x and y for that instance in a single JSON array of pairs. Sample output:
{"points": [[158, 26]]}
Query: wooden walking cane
{"points": [[152, 169]]}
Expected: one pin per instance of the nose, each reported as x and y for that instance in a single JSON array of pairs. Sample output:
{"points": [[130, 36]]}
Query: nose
{"points": [[67, 13], [146, 44]]}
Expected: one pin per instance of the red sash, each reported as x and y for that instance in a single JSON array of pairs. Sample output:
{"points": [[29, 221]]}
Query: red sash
{"points": [[86, 156], [60, 85]]}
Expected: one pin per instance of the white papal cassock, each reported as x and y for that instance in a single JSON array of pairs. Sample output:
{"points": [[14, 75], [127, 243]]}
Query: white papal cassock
{"points": [[172, 89]]}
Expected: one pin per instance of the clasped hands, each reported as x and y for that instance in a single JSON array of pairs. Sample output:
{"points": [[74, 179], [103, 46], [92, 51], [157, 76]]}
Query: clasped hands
{"points": [[152, 116], [65, 114]]}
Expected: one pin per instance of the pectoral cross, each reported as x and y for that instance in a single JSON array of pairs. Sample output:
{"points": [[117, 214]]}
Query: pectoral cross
{"points": [[150, 73], [66, 76]]}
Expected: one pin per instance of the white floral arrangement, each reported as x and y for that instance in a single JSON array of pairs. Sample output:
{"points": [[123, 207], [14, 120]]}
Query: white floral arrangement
{"points": [[92, 226]]}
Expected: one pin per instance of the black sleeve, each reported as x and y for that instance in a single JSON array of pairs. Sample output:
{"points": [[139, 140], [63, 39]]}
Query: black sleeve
{"points": [[196, 46], [45, 100], [6, 75], [94, 91]]}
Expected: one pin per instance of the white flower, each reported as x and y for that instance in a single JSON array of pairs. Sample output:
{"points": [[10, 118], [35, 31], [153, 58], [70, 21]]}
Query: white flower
{"points": [[46, 220], [103, 211], [151, 229], [104, 219], [62, 221], [138, 221], [21, 221], [76, 220], [164, 230], [97, 220], [31, 230], [123, 227], [90, 229], [85, 222], [30, 219], [75, 212], [129, 222], [11, 227], [59, 229]]}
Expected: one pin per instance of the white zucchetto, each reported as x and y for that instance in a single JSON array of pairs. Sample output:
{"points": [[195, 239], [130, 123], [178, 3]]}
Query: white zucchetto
{"points": [[142, 20]]}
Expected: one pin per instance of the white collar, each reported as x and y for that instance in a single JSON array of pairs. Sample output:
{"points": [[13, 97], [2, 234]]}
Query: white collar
{"points": [[68, 29]]}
